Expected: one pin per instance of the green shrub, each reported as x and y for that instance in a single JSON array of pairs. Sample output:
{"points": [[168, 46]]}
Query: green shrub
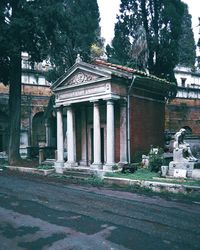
{"points": [[130, 167], [45, 167], [156, 160]]}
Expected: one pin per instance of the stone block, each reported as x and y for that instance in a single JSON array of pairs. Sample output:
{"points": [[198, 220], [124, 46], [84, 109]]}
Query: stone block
{"points": [[180, 173], [196, 174], [188, 166]]}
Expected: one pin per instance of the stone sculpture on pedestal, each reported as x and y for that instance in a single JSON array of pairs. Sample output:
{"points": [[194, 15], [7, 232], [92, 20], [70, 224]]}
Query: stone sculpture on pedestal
{"points": [[183, 159]]}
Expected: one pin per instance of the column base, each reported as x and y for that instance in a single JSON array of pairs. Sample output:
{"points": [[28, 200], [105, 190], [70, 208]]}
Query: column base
{"points": [[121, 163], [96, 166], [83, 163], [71, 164], [109, 167], [58, 165]]}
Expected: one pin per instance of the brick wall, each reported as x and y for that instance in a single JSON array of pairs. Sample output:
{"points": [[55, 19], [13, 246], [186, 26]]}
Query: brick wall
{"points": [[181, 113], [34, 99], [147, 125]]}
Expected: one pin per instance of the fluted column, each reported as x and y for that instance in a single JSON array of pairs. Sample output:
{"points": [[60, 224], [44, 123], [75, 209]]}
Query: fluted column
{"points": [[110, 162], [123, 132], [83, 161], [60, 145], [96, 137], [71, 139]]}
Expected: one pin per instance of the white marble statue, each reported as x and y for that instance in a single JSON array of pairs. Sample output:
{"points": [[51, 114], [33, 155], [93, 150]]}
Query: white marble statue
{"points": [[182, 151]]}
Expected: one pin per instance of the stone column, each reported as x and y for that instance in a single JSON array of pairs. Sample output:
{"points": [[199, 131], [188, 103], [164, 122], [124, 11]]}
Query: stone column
{"points": [[110, 162], [48, 134], [71, 139], [123, 133], [83, 161], [60, 145], [96, 137]]}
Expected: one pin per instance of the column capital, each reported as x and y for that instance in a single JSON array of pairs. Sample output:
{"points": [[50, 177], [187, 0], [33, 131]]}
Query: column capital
{"points": [[68, 107], [94, 101], [58, 108], [110, 101], [123, 102]]}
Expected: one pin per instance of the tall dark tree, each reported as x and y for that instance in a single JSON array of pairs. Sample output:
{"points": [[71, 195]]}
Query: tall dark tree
{"points": [[84, 30], [198, 46], [44, 29], [161, 20], [187, 48]]}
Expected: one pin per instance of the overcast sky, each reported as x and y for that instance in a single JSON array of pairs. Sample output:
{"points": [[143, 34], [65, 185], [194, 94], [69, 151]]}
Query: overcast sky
{"points": [[109, 8]]}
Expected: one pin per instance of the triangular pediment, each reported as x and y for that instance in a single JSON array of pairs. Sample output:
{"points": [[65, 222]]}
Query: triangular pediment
{"points": [[80, 77], [80, 74]]}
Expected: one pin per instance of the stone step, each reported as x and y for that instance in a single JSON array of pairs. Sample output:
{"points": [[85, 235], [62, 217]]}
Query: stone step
{"points": [[78, 172], [48, 162]]}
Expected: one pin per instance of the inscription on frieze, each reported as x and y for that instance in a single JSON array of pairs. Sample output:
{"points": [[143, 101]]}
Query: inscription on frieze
{"points": [[83, 92]]}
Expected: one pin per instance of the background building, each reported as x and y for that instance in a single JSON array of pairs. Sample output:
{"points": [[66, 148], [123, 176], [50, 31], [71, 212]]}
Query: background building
{"points": [[35, 97], [184, 110]]}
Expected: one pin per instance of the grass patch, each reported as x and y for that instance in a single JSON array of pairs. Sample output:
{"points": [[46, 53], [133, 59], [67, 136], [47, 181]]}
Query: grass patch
{"points": [[94, 181], [140, 174], [147, 175]]}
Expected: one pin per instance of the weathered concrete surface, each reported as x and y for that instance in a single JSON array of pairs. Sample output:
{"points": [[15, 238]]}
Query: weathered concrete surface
{"points": [[31, 170], [37, 215], [153, 185]]}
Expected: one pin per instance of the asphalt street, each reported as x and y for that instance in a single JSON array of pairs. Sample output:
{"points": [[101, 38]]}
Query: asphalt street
{"points": [[37, 214]]}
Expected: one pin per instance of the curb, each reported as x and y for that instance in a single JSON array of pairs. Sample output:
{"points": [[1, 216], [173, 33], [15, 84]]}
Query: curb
{"points": [[32, 170], [122, 182], [154, 186]]}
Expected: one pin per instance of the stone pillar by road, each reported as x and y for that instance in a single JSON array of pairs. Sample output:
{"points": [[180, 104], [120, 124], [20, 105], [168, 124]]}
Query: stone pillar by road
{"points": [[96, 136], [123, 132], [71, 139], [60, 145], [110, 162]]}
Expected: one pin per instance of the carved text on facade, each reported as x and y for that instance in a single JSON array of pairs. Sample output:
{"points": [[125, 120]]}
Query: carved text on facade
{"points": [[83, 92]]}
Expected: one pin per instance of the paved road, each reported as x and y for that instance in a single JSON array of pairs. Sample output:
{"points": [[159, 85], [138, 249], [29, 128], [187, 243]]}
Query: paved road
{"points": [[37, 215]]}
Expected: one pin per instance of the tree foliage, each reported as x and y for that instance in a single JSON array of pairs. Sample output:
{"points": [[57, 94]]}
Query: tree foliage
{"points": [[187, 48], [83, 31], [198, 45], [45, 29], [161, 20]]}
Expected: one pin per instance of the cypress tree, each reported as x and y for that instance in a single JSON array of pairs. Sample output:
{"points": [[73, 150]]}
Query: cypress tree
{"points": [[187, 53], [161, 21]]}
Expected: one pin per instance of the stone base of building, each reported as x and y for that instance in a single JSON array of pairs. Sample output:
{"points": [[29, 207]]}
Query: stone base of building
{"points": [[58, 165], [96, 166], [83, 163], [71, 164], [109, 167], [174, 165]]}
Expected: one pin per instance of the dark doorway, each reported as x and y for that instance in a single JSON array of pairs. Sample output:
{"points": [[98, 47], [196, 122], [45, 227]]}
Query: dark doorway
{"points": [[1, 142], [102, 145]]}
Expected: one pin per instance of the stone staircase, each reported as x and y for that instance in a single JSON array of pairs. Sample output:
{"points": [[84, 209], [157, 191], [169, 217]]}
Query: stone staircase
{"points": [[49, 162], [79, 173]]}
